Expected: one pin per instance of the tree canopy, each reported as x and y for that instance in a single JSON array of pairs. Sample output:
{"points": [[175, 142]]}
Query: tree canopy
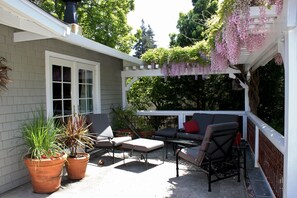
{"points": [[192, 24], [146, 40], [102, 21], [271, 94], [186, 92]]}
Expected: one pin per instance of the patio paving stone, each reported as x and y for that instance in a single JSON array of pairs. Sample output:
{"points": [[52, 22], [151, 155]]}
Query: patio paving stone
{"points": [[256, 183], [135, 179]]}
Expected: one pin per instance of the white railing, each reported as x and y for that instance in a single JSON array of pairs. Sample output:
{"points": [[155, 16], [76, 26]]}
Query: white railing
{"points": [[182, 116], [272, 135]]}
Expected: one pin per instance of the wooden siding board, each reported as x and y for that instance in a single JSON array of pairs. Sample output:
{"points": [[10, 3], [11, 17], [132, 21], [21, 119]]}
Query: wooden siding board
{"points": [[26, 92]]}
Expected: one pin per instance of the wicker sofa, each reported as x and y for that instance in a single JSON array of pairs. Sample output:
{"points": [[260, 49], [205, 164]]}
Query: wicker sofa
{"points": [[203, 121]]}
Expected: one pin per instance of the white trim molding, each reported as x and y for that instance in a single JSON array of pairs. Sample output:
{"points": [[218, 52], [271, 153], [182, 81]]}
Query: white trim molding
{"points": [[75, 61]]}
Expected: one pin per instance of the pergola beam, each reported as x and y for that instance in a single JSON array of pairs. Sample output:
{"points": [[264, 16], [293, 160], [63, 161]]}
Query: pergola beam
{"points": [[157, 72]]}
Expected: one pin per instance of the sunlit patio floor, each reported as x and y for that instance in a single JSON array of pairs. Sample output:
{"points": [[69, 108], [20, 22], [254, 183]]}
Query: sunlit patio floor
{"points": [[136, 179]]}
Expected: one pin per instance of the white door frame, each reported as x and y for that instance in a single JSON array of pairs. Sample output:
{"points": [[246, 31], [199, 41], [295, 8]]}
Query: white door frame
{"points": [[75, 62]]}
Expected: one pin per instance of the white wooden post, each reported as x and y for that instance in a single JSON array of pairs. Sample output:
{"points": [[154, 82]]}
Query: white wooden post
{"points": [[124, 93], [256, 147], [181, 118], [126, 88], [290, 62], [246, 109]]}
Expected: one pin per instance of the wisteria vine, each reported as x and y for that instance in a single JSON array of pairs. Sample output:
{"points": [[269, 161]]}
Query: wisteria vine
{"points": [[236, 33], [238, 30]]}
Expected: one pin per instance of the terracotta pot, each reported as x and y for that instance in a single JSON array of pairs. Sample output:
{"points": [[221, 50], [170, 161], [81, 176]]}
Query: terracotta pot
{"points": [[46, 174], [146, 134], [76, 167], [123, 132]]}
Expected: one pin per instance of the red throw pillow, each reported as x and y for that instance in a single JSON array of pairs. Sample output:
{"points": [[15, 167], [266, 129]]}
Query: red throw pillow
{"points": [[191, 126], [237, 139]]}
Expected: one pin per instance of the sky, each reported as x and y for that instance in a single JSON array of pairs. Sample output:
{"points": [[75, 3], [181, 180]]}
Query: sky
{"points": [[161, 15]]}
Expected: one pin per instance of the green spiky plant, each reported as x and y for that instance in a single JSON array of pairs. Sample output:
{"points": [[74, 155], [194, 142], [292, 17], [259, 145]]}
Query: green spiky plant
{"points": [[40, 135], [76, 134]]}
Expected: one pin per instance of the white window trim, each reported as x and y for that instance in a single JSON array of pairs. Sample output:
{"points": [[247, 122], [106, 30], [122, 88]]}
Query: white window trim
{"points": [[48, 79]]}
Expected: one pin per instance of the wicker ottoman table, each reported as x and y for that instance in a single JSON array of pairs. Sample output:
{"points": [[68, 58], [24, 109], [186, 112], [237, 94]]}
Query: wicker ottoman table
{"points": [[143, 145]]}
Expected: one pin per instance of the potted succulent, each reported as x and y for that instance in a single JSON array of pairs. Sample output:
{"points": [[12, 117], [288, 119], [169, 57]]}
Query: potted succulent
{"points": [[44, 158], [126, 121], [76, 137]]}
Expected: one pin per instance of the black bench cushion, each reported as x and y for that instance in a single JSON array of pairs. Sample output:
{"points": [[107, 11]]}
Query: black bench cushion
{"points": [[166, 132], [190, 136], [223, 118], [204, 120]]}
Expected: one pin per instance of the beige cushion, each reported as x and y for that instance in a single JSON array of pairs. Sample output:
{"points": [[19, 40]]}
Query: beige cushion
{"points": [[119, 140], [112, 142], [204, 146], [143, 145], [189, 154]]}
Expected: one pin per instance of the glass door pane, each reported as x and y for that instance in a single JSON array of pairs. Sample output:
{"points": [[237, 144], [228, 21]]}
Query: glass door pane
{"points": [[85, 91], [70, 87], [61, 90]]}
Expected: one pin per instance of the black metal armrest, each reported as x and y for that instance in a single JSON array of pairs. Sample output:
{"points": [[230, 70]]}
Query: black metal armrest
{"points": [[182, 130]]}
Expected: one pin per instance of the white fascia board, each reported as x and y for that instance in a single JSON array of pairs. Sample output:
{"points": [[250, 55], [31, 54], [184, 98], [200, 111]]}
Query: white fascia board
{"points": [[26, 16], [98, 47], [28, 13], [9, 19], [27, 36]]}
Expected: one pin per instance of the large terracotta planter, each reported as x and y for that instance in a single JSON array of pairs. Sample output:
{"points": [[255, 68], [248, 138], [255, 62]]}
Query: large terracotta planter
{"points": [[46, 174], [128, 132], [76, 167], [146, 134], [123, 132]]}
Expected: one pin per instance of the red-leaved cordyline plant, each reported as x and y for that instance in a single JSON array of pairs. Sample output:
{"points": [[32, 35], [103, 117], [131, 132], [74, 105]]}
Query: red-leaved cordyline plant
{"points": [[76, 134]]}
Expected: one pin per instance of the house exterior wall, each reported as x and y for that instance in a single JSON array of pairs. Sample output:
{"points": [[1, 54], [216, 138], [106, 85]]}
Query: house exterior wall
{"points": [[27, 92]]}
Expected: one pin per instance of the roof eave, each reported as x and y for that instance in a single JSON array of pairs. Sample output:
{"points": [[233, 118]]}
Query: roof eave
{"points": [[39, 24], [98, 47]]}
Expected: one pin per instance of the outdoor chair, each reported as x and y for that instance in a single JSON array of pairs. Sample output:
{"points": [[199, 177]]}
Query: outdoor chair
{"points": [[101, 128], [214, 156]]}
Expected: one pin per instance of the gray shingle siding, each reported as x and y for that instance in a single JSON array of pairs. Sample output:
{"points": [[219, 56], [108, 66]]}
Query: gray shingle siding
{"points": [[27, 91]]}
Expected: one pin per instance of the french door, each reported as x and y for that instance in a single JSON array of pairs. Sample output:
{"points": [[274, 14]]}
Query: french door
{"points": [[85, 94], [72, 87]]}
